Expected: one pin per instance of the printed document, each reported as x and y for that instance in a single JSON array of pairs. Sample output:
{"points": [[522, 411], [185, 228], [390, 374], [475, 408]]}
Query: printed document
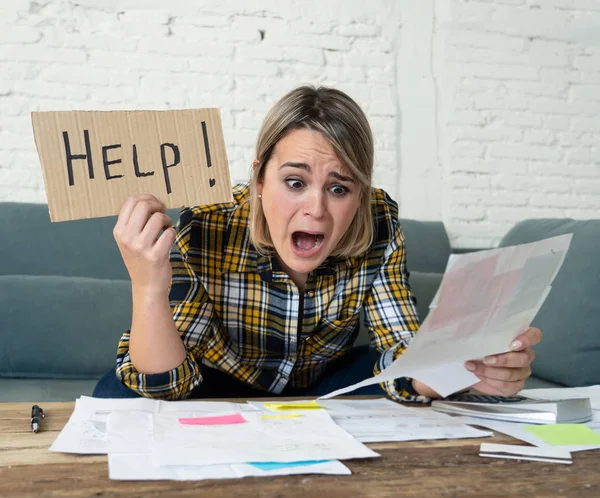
{"points": [[485, 300], [379, 420]]}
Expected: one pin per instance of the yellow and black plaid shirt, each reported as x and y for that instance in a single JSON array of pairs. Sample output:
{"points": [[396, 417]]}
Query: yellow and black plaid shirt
{"points": [[238, 311]]}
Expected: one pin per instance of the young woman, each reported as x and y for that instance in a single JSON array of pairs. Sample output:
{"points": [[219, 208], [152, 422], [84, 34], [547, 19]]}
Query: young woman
{"points": [[262, 296]]}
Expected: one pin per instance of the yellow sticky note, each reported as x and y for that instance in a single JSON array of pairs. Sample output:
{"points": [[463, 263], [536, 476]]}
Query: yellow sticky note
{"points": [[304, 405], [289, 415], [563, 434]]}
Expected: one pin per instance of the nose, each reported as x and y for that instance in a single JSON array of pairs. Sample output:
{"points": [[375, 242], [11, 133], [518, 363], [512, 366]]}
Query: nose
{"points": [[316, 205]]}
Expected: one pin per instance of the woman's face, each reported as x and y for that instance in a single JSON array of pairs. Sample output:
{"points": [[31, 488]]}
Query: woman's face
{"points": [[309, 201]]}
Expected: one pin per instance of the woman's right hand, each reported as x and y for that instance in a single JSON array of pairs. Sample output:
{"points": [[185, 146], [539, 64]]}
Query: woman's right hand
{"points": [[144, 249]]}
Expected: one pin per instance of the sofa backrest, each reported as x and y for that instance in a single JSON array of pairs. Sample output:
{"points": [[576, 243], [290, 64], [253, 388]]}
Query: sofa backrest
{"points": [[32, 245], [427, 245], [65, 295], [570, 317]]}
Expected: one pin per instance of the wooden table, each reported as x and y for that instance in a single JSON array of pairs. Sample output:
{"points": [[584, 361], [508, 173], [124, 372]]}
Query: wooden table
{"points": [[420, 468]]}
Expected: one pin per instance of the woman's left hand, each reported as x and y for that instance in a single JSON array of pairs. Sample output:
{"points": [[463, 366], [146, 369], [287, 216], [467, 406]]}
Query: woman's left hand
{"points": [[505, 373]]}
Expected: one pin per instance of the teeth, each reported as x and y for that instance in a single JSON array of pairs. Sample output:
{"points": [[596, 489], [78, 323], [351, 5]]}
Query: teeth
{"points": [[318, 241]]}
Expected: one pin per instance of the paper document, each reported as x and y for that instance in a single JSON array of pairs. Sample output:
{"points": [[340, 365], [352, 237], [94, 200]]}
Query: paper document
{"points": [[514, 452], [100, 426], [139, 467], [379, 420], [312, 436], [520, 431], [485, 300]]}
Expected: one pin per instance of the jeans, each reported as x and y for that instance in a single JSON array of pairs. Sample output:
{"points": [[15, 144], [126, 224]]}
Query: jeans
{"points": [[355, 366]]}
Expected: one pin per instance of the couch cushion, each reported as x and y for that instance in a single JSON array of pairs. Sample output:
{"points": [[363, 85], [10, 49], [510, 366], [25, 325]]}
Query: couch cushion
{"points": [[427, 245], [570, 316], [59, 327]]}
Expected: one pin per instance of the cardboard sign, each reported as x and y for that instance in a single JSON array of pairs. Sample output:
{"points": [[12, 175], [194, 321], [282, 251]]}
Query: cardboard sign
{"points": [[93, 160]]}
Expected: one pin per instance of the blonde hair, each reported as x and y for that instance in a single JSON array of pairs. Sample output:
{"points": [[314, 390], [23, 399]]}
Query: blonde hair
{"points": [[342, 122]]}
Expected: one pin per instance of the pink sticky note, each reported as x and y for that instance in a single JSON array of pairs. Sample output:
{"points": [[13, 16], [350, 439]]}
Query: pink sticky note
{"points": [[218, 420]]}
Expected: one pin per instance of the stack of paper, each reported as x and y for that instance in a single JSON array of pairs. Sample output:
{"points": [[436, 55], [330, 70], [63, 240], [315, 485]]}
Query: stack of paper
{"points": [[515, 452], [568, 437], [148, 439]]}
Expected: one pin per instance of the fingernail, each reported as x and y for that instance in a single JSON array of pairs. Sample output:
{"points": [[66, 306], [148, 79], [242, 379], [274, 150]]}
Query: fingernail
{"points": [[516, 345], [489, 360], [470, 366]]}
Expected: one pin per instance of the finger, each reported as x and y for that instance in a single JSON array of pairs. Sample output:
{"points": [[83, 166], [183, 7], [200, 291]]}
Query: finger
{"points": [[499, 373], [128, 206], [156, 223], [164, 243], [527, 339], [511, 360], [142, 212]]}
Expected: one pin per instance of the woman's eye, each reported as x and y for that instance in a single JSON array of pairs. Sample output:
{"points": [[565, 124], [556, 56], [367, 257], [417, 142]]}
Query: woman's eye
{"points": [[339, 190], [294, 183]]}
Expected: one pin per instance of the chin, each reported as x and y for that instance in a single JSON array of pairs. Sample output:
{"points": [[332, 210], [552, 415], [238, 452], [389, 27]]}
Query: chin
{"points": [[302, 266]]}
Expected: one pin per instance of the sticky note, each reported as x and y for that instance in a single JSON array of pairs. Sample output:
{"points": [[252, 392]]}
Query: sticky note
{"points": [[282, 465], [214, 420], [289, 415], [303, 405], [563, 434]]}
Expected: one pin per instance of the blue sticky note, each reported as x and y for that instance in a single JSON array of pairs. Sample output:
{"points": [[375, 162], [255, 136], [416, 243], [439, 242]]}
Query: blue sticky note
{"points": [[282, 465]]}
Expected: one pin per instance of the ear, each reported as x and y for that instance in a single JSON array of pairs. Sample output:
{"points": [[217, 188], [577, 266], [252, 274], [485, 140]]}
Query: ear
{"points": [[255, 164]]}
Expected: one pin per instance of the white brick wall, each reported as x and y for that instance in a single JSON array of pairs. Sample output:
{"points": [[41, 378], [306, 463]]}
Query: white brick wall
{"points": [[485, 112], [238, 55], [517, 90]]}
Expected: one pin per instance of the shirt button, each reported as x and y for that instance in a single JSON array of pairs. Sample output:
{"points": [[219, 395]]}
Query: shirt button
{"points": [[310, 294]]}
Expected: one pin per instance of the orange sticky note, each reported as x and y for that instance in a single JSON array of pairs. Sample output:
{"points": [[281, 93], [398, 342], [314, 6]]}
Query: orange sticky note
{"points": [[218, 420]]}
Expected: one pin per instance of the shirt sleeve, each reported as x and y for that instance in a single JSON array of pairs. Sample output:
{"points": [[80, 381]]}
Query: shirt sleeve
{"points": [[194, 317], [391, 316]]}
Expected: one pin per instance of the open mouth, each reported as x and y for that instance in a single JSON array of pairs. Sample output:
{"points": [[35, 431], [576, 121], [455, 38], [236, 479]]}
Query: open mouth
{"points": [[305, 241]]}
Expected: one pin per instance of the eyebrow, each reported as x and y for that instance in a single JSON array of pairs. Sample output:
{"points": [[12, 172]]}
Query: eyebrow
{"points": [[306, 167]]}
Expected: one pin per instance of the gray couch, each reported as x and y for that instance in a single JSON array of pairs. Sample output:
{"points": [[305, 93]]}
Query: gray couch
{"points": [[65, 299]]}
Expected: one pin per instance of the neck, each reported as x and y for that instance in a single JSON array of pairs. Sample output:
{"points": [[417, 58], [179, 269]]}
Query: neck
{"points": [[298, 278]]}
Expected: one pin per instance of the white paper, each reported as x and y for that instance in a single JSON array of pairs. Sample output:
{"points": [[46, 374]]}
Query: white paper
{"points": [[313, 435], [135, 467], [518, 431], [380, 420], [521, 457], [86, 431], [485, 300], [534, 451]]}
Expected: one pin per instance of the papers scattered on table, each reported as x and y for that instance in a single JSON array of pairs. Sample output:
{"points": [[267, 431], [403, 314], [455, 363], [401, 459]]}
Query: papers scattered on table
{"points": [[193, 440], [485, 300], [513, 452], [150, 439]]}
